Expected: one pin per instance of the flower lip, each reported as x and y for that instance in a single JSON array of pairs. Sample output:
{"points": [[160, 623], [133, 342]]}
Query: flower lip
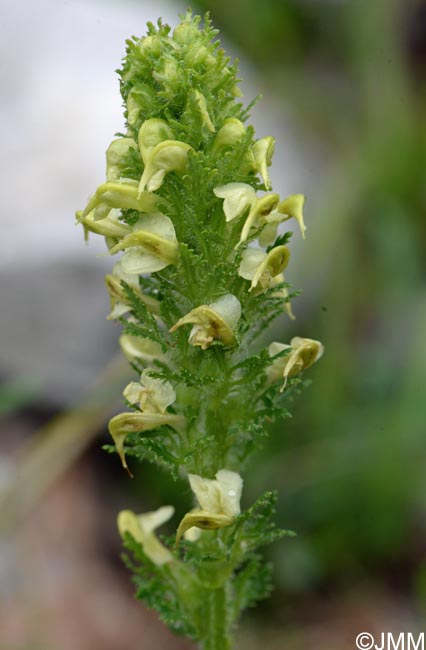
{"points": [[302, 354], [261, 268], [123, 194], [151, 133], [291, 207], [165, 157], [212, 322], [258, 214], [150, 247], [218, 499], [238, 197], [142, 527], [135, 422]]}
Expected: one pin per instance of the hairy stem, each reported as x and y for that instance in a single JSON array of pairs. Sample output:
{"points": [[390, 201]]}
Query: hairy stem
{"points": [[217, 634]]}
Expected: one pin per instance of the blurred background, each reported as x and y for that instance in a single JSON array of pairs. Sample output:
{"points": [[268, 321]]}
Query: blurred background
{"points": [[343, 84]]}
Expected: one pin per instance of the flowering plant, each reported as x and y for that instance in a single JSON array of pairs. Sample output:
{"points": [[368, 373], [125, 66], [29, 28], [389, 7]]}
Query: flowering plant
{"points": [[188, 202]]}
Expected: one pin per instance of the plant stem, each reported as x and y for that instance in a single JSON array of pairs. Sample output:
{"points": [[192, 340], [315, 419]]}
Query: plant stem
{"points": [[217, 635]]}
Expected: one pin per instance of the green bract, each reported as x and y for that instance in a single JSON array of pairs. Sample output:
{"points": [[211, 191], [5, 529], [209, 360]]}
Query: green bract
{"points": [[187, 207]]}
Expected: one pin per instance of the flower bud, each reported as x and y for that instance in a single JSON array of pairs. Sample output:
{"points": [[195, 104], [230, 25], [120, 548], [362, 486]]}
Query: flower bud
{"points": [[150, 45], [282, 293], [115, 153], [202, 106], [140, 99], [229, 134]]}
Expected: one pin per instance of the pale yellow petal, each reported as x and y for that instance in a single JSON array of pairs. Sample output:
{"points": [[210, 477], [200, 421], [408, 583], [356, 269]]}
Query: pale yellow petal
{"points": [[229, 134], [151, 133], [157, 394], [263, 151], [146, 350], [274, 263], [238, 197], [167, 156], [202, 106], [213, 322]]}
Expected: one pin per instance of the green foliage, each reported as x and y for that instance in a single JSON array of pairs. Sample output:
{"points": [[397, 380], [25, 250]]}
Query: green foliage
{"points": [[157, 587]]}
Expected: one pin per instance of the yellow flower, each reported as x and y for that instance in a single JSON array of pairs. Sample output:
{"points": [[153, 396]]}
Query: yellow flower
{"points": [[124, 195], [151, 133], [119, 305], [142, 527], [151, 394], [302, 354], [238, 198], [263, 151], [144, 350], [261, 268], [110, 226], [150, 247], [167, 156], [135, 422], [215, 321], [291, 207], [139, 96], [218, 502], [258, 214]]}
